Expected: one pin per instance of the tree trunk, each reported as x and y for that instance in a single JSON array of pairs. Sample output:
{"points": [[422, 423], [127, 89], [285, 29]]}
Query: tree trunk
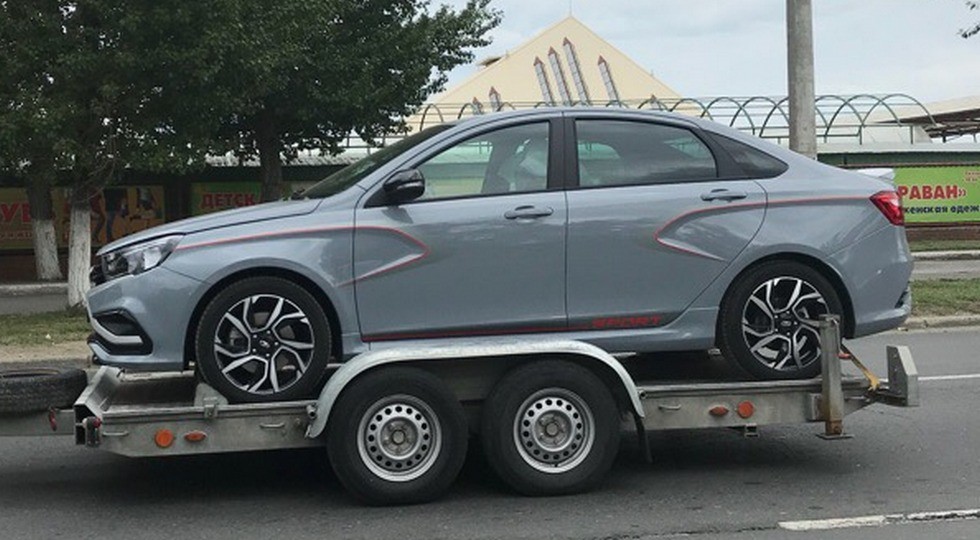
{"points": [[79, 249], [270, 161], [42, 222]]}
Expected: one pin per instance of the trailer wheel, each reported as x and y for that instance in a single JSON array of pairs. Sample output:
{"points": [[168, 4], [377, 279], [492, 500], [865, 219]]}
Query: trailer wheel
{"points": [[39, 389], [550, 428], [397, 436]]}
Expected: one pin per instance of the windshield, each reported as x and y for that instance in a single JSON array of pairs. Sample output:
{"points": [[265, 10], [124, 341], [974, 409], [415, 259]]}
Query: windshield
{"points": [[355, 172]]}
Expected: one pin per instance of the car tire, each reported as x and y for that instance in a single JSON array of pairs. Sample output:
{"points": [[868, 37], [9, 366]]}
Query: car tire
{"points": [[550, 428], [767, 324], [39, 389], [397, 436], [263, 339]]}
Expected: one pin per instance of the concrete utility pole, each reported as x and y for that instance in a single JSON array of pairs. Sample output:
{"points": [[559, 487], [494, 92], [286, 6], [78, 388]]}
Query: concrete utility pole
{"points": [[799, 41]]}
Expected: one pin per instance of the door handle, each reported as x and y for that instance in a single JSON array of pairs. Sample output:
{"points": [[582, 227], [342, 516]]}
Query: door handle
{"points": [[528, 212], [723, 195]]}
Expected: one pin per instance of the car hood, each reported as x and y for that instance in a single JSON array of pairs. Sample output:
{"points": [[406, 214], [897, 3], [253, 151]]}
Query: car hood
{"points": [[238, 216]]}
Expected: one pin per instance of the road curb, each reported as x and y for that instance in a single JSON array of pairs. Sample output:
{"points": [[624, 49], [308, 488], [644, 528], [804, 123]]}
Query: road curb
{"points": [[946, 321], [33, 289], [958, 255]]}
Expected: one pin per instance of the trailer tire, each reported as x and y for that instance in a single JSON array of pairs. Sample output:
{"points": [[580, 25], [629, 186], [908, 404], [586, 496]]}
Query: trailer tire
{"points": [[39, 389], [550, 428], [397, 436]]}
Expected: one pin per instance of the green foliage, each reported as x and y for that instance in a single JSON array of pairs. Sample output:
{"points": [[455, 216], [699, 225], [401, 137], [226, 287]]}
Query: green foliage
{"points": [[90, 86], [309, 72], [98, 85]]}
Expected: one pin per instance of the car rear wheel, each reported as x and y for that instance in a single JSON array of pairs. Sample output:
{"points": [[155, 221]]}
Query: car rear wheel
{"points": [[263, 339], [769, 320]]}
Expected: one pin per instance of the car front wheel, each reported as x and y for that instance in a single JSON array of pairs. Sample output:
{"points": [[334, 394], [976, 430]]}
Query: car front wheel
{"points": [[263, 339], [769, 320]]}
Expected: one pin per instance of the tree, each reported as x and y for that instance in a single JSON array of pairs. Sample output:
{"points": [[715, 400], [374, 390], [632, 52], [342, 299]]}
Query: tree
{"points": [[27, 120], [975, 29], [93, 95], [308, 73]]}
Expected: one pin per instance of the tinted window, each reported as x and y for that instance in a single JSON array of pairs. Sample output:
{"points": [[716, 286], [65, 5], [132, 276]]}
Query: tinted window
{"points": [[755, 163], [616, 153], [509, 160]]}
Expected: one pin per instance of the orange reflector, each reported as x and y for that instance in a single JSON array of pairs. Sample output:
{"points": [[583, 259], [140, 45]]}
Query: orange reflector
{"points": [[718, 410], [164, 438], [746, 409], [195, 436]]}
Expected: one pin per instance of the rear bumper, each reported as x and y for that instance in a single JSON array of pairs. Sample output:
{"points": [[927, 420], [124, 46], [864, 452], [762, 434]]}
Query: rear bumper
{"points": [[878, 270]]}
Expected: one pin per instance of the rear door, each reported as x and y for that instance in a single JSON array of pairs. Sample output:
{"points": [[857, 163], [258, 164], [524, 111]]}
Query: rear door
{"points": [[482, 252], [655, 214]]}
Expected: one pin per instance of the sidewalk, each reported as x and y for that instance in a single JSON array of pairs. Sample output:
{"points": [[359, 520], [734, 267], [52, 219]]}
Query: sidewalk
{"points": [[24, 298]]}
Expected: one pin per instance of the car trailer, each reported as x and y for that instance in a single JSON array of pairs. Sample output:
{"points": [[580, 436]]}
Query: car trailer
{"points": [[396, 422]]}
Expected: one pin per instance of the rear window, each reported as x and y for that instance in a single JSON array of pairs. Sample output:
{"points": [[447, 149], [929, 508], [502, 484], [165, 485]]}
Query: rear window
{"points": [[755, 163]]}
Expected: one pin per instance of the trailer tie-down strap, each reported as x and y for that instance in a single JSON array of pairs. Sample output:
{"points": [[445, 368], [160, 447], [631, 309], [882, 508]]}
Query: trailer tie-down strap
{"points": [[873, 380]]}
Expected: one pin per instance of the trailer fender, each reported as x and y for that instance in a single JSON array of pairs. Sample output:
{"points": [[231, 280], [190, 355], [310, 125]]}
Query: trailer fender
{"points": [[354, 367]]}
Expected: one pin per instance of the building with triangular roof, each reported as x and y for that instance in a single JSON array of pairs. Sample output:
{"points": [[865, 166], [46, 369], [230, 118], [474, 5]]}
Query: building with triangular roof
{"points": [[566, 64]]}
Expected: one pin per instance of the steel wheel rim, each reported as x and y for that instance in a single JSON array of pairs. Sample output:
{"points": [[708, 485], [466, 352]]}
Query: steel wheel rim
{"points": [[264, 344], [780, 323], [399, 438], [554, 430]]}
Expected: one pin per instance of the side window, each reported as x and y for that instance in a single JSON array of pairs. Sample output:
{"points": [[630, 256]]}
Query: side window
{"points": [[618, 153], [509, 160], [755, 163]]}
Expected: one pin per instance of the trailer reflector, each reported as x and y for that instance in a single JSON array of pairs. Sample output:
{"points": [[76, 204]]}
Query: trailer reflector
{"points": [[164, 438], [195, 436], [745, 409], [718, 410]]}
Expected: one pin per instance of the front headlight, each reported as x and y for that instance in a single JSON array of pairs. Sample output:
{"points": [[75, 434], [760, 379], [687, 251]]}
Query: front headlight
{"points": [[138, 258]]}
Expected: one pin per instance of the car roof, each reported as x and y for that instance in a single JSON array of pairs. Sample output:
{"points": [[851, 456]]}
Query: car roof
{"points": [[552, 112]]}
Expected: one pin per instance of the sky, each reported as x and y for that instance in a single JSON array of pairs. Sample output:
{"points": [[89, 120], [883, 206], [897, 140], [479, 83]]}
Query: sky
{"points": [[738, 47]]}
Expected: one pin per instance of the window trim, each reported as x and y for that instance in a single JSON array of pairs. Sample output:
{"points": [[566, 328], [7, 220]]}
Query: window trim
{"points": [[725, 167], [556, 162], [744, 174]]}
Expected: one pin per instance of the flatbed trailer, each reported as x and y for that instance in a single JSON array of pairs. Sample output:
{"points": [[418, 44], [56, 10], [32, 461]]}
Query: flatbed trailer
{"points": [[167, 414]]}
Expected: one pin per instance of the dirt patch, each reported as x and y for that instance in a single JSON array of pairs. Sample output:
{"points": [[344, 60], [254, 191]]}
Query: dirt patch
{"points": [[74, 351]]}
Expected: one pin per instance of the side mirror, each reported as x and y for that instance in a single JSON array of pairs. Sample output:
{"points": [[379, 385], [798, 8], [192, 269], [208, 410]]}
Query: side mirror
{"points": [[404, 186]]}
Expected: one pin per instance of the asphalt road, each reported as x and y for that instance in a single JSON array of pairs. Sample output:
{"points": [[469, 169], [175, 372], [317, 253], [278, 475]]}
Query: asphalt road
{"points": [[711, 484]]}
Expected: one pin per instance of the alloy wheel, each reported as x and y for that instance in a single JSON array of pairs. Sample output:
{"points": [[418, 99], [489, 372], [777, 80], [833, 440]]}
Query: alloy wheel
{"points": [[779, 323], [264, 344]]}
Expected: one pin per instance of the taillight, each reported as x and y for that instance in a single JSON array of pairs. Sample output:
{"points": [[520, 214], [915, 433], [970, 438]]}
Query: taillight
{"points": [[890, 204]]}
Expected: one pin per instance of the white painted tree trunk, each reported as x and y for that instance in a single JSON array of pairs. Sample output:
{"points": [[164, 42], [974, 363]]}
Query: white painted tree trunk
{"points": [[45, 250], [79, 253]]}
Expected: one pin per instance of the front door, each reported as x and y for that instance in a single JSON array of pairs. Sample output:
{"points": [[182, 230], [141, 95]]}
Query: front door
{"points": [[481, 252]]}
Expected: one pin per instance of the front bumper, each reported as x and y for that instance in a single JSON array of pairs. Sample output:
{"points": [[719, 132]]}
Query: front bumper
{"points": [[140, 322]]}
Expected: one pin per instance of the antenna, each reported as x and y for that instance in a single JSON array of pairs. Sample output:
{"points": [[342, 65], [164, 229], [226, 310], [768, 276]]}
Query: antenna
{"points": [[569, 8]]}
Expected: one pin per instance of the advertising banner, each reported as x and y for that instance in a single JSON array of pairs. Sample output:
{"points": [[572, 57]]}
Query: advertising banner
{"points": [[15, 219], [116, 212], [939, 194], [214, 196]]}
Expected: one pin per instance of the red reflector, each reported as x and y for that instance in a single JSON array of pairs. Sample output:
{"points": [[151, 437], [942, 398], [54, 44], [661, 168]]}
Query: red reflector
{"points": [[164, 438], [195, 436], [890, 204], [746, 409], [719, 410]]}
